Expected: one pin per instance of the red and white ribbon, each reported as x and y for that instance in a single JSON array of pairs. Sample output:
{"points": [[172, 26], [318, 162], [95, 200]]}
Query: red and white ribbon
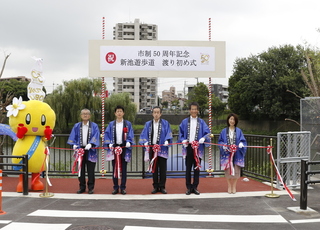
{"points": [[153, 162], [47, 152], [230, 165], [269, 151], [146, 153], [78, 161], [117, 168], [45, 162], [195, 147]]}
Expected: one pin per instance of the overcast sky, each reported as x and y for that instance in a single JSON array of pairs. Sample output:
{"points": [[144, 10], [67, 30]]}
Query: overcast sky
{"points": [[58, 31]]}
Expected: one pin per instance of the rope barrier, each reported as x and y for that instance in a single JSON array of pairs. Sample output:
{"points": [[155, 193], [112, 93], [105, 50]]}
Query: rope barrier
{"points": [[269, 151], [208, 143]]}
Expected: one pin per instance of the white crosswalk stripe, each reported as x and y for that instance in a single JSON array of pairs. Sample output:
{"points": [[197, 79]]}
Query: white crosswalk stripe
{"points": [[163, 217], [156, 228], [33, 226], [5, 221]]}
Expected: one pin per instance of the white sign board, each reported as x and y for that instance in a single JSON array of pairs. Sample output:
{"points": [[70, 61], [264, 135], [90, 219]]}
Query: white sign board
{"points": [[118, 58]]}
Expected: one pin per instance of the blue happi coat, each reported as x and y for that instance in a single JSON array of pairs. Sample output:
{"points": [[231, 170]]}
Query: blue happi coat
{"points": [[165, 135], [204, 131], [239, 155], [94, 139], [110, 138]]}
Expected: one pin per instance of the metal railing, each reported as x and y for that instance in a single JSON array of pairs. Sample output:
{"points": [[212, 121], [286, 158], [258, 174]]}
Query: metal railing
{"points": [[305, 172], [24, 171], [61, 159]]}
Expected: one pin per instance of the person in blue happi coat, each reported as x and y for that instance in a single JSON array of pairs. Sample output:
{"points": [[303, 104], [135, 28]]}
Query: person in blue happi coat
{"points": [[86, 135], [156, 136]]}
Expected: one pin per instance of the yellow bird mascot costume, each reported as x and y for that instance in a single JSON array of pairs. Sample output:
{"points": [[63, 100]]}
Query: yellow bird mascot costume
{"points": [[33, 122]]}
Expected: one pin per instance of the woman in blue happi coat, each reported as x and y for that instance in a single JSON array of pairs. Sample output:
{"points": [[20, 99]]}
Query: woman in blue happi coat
{"points": [[232, 160]]}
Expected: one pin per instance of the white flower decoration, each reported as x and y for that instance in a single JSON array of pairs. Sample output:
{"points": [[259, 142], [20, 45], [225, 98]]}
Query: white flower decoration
{"points": [[15, 107]]}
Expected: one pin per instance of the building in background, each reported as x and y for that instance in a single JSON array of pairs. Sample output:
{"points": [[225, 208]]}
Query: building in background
{"points": [[220, 91], [143, 90], [169, 95], [19, 78], [172, 96]]}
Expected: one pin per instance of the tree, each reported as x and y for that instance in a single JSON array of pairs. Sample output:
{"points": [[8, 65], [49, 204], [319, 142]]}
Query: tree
{"points": [[6, 56], [175, 106], [68, 100], [15, 88], [165, 104], [260, 84], [311, 72], [200, 94], [5, 100], [123, 99], [217, 107], [5, 95]]}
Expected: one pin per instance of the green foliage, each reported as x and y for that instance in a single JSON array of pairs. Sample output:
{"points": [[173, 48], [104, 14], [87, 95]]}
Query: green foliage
{"points": [[165, 104], [68, 100], [217, 107], [122, 99], [200, 94], [260, 85], [311, 72], [17, 88]]}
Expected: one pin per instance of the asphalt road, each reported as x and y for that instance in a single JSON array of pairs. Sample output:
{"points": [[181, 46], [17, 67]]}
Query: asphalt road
{"points": [[166, 212]]}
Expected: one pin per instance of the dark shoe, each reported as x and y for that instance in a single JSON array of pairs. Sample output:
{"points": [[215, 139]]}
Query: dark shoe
{"points": [[154, 191], [163, 191], [90, 191], [188, 192], [116, 191], [81, 191], [195, 191], [123, 192]]}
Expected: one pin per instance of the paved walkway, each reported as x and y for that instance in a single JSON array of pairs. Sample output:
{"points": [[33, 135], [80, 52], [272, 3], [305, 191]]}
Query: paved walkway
{"points": [[143, 186], [214, 208]]}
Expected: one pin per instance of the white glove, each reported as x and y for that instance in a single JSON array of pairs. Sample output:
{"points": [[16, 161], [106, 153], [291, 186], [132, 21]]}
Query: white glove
{"points": [[225, 148], [146, 144], [166, 143], [88, 146], [185, 143], [110, 146], [75, 147], [241, 145], [201, 141], [128, 145]]}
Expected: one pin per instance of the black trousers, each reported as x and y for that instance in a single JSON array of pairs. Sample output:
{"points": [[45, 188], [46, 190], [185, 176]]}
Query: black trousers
{"points": [[123, 173], [89, 166], [191, 164], [160, 174]]}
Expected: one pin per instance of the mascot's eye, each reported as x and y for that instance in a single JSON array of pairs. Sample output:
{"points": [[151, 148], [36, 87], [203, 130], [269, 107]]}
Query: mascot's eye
{"points": [[28, 119], [43, 119]]}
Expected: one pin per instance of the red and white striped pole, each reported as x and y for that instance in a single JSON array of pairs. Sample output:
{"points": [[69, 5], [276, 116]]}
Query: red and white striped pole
{"points": [[210, 170], [102, 112], [103, 21], [1, 211]]}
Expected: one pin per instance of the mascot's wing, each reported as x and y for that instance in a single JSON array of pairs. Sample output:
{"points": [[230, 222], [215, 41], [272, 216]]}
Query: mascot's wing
{"points": [[6, 130]]}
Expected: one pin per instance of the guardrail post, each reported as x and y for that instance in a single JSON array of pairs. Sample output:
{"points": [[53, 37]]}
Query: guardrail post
{"points": [[25, 174], [1, 211], [303, 185]]}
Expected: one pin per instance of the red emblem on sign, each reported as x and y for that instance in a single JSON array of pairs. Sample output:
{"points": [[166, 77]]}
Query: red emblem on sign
{"points": [[111, 57]]}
